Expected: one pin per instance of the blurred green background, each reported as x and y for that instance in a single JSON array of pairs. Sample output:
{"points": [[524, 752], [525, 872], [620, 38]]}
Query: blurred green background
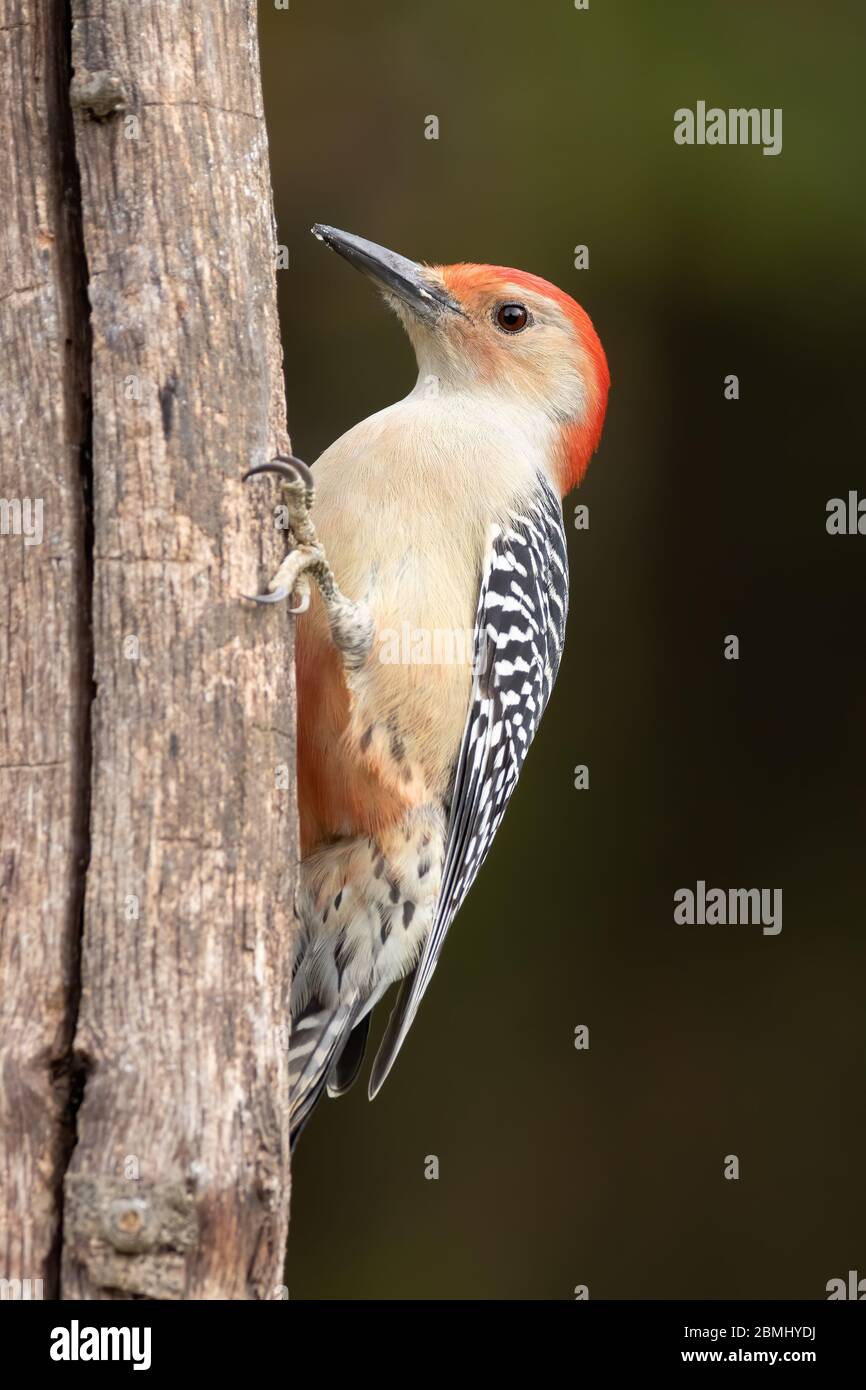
{"points": [[605, 1167]]}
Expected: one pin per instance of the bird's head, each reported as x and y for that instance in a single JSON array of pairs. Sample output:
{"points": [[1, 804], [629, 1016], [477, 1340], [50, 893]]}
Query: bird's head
{"points": [[511, 335]]}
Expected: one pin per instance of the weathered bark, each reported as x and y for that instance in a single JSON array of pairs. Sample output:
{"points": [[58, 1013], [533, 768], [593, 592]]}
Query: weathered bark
{"points": [[178, 1183], [44, 651]]}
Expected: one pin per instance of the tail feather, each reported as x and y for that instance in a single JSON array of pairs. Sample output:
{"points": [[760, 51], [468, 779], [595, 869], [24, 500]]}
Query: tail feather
{"points": [[344, 1071], [318, 1038]]}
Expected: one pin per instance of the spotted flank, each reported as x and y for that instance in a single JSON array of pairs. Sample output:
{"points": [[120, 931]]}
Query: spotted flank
{"points": [[365, 906]]}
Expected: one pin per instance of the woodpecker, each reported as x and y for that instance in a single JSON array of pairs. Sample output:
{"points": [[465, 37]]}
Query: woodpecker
{"points": [[437, 516]]}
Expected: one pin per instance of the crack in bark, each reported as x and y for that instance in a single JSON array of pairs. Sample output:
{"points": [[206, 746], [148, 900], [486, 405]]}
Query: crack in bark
{"points": [[22, 289], [70, 1071], [207, 106], [30, 767]]}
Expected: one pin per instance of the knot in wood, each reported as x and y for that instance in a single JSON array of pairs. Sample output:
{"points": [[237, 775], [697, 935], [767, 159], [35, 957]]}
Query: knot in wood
{"points": [[129, 1224], [99, 94]]}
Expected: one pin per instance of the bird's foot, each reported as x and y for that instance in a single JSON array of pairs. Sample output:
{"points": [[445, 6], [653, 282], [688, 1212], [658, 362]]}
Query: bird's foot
{"points": [[298, 491], [351, 622]]}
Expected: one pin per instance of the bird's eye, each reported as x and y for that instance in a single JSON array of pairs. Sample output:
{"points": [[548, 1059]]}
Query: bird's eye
{"points": [[512, 317]]}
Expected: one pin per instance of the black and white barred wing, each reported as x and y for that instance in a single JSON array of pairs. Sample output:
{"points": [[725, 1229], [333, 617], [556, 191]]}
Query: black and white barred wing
{"points": [[519, 634]]}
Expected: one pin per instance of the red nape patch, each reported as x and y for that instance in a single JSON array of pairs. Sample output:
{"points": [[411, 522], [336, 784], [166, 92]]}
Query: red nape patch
{"points": [[580, 440]]}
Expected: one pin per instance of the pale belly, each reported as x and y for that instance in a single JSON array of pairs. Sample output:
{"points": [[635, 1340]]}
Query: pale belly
{"points": [[389, 741]]}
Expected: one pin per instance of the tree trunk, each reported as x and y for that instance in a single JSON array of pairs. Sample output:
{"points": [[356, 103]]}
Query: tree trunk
{"points": [[178, 1183]]}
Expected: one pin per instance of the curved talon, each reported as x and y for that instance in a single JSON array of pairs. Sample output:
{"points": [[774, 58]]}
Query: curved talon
{"points": [[276, 597], [299, 466], [285, 466]]}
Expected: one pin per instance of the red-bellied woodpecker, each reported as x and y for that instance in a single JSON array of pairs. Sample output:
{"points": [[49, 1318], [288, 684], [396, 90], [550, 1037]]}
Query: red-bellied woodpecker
{"points": [[435, 518]]}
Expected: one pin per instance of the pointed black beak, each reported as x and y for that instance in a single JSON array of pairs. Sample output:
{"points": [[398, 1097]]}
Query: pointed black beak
{"points": [[409, 281]]}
